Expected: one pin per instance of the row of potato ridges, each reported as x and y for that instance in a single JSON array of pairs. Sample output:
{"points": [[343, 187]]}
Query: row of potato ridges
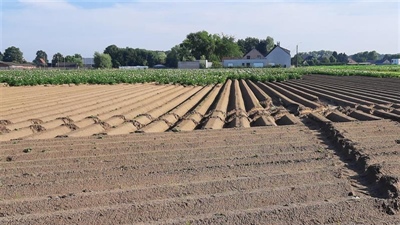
{"points": [[150, 108], [200, 177]]}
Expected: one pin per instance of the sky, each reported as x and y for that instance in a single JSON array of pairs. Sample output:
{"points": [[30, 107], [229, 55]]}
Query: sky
{"points": [[83, 27]]}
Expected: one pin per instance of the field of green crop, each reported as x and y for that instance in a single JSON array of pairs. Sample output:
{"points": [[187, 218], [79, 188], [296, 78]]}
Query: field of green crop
{"points": [[186, 77]]}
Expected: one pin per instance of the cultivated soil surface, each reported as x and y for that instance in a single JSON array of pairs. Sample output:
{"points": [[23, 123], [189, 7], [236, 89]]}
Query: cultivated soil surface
{"points": [[78, 111], [322, 150]]}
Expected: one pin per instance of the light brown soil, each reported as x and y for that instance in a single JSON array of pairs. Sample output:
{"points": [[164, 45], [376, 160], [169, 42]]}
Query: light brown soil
{"points": [[338, 165]]}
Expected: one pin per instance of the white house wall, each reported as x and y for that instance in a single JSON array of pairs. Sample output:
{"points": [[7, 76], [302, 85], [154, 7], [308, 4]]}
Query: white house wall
{"points": [[278, 57], [239, 62]]}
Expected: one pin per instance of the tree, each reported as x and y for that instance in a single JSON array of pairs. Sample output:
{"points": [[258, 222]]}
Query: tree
{"points": [[332, 59], [172, 57], [102, 61], [248, 44], [41, 58], [334, 54], [325, 59], [225, 46], [13, 54], [343, 58], [1, 56], [298, 57], [116, 55], [58, 57], [76, 58], [373, 55], [263, 46], [161, 58], [270, 44], [199, 43]]}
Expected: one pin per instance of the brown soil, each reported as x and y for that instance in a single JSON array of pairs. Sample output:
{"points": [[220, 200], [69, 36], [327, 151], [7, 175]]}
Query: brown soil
{"points": [[244, 176], [327, 152]]}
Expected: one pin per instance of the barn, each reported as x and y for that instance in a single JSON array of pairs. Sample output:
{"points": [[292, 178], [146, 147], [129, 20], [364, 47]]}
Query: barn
{"points": [[278, 56]]}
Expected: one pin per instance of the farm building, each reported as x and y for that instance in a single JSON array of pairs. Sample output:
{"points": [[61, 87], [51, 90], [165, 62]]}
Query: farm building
{"points": [[10, 65], [194, 64], [133, 67], [67, 65], [396, 61], [277, 56], [88, 62]]}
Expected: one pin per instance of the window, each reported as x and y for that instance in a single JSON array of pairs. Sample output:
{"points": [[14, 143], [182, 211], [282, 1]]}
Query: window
{"points": [[248, 57], [258, 56]]}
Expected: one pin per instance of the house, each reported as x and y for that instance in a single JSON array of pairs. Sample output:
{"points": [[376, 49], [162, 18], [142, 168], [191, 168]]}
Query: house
{"points": [[278, 56], [351, 61], [396, 61], [13, 66], [197, 64], [382, 62]]}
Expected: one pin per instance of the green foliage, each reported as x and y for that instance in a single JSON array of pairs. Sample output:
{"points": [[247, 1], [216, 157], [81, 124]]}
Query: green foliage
{"points": [[13, 54], [262, 45], [57, 58], [102, 61], [186, 77], [365, 56], [134, 57], [200, 43], [77, 59], [40, 55]]}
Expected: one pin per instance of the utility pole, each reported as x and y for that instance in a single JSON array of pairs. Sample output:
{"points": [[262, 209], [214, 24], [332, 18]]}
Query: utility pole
{"points": [[297, 55]]}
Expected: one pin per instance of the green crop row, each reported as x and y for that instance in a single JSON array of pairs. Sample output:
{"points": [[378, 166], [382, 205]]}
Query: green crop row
{"points": [[186, 77], [166, 76]]}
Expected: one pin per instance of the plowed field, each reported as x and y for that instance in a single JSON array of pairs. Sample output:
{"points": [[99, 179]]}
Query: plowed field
{"points": [[321, 150], [47, 112]]}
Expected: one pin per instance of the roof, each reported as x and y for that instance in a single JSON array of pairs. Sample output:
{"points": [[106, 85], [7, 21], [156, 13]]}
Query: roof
{"points": [[351, 61], [278, 46], [17, 64], [254, 53]]}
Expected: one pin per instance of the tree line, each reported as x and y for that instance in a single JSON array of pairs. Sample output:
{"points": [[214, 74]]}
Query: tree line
{"points": [[199, 45], [321, 57]]}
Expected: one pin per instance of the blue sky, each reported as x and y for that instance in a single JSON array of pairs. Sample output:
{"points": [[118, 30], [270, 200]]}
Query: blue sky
{"points": [[87, 26]]}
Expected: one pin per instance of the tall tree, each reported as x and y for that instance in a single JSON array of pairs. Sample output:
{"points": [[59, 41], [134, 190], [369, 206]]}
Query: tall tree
{"points": [[199, 43], [116, 55], [173, 57], [225, 46], [102, 61], [58, 57], [41, 58], [343, 58], [13, 54], [1, 56]]}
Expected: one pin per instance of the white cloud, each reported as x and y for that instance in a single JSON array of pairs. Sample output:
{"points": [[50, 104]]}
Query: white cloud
{"points": [[61, 26]]}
